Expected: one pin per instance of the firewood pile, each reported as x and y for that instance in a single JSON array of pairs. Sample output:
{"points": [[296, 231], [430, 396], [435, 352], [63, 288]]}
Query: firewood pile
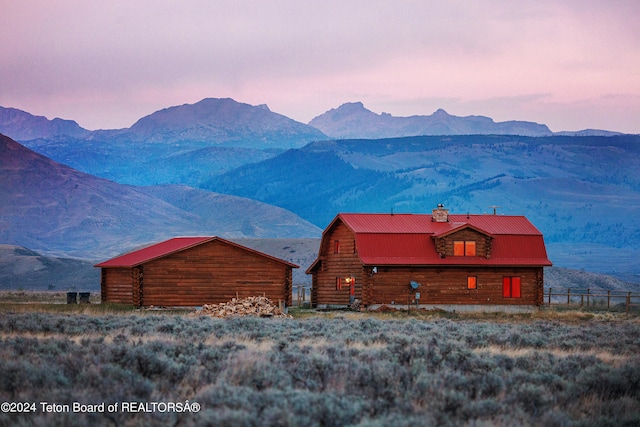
{"points": [[250, 306], [356, 305]]}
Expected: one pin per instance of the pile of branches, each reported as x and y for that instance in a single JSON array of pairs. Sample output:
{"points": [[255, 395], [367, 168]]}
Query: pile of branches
{"points": [[250, 306]]}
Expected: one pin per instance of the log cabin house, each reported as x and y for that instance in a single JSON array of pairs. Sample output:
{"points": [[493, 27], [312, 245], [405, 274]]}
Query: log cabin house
{"points": [[192, 271], [453, 262]]}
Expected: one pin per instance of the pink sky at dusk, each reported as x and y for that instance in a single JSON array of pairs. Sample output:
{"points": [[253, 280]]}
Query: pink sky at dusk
{"points": [[569, 64]]}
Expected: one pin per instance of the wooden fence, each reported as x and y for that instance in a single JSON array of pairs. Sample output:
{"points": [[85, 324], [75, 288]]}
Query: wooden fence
{"points": [[609, 300], [301, 295]]}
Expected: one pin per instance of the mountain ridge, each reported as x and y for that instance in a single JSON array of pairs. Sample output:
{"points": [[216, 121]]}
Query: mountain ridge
{"points": [[196, 123], [22, 125], [209, 122], [224, 121], [579, 191], [352, 120], [175, 145], [50, 207]]}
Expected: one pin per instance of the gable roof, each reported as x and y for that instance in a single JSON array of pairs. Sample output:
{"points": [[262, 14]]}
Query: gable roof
{"points": [[455, 227], [409, 239], [171, 246]]}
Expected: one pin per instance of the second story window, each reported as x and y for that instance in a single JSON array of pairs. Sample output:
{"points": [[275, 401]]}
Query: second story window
{"points": [[336, 246], [464, 248]]}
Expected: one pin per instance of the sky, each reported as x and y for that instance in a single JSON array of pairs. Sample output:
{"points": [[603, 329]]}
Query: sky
{"points": [[570, 64]]}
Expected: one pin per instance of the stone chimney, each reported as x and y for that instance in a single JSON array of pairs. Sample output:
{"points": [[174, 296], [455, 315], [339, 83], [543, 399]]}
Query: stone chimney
{"points": [[440, 214]]}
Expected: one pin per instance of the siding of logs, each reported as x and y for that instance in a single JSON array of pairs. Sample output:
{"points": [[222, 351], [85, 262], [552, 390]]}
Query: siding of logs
{"points": [[440, 284], [213, 272]]}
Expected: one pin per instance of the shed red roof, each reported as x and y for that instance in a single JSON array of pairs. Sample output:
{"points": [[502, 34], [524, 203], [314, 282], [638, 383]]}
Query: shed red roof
{"points": [[171, 246], [408, 239]]}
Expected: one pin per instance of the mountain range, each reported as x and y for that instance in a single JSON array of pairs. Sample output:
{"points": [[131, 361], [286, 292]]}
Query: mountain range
{"points": [[24, 126], [581, 192], [353, 120], [176, 145], [222, 122], [50, 207], [187, 143], [236, 170]]}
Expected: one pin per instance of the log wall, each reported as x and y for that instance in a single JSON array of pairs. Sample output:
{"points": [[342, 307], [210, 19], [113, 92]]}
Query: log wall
{"points": [[213, 272], [342, 264], [116, 285], [449, 285]]}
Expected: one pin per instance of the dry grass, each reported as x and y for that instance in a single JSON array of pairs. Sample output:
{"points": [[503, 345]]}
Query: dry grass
{"points": [[564, 316], [89, 309], [55, 302], [602, 355], [46, 297]]}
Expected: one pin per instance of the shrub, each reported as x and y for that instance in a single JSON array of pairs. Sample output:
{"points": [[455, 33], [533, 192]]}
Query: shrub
{"points": [[323, 371]]}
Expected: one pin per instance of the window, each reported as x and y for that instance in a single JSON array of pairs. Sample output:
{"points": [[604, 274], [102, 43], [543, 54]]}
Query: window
{"points": [[472, 282], [464, 248], [336, 246], [345, 283], [470, 248], [458, 248], [511, 287]]}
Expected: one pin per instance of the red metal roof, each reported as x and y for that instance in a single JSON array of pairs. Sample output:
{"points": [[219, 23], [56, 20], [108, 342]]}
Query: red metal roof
{"points": [[499, 224], [408, 239], [171, 246], [386, 223], [422, 223]]}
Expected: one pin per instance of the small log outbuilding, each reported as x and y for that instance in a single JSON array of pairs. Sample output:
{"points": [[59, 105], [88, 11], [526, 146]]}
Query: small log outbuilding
{"points": [[465, 262], [192, 271]]}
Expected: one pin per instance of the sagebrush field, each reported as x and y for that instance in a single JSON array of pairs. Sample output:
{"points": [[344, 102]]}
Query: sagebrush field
{"points": [[324, 369]]}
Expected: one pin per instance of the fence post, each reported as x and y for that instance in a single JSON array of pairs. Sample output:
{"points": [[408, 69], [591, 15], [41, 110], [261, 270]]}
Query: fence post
{"points": [[568, 296], [628, 301], [550, 296], [608, 299], [588, 292]]}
